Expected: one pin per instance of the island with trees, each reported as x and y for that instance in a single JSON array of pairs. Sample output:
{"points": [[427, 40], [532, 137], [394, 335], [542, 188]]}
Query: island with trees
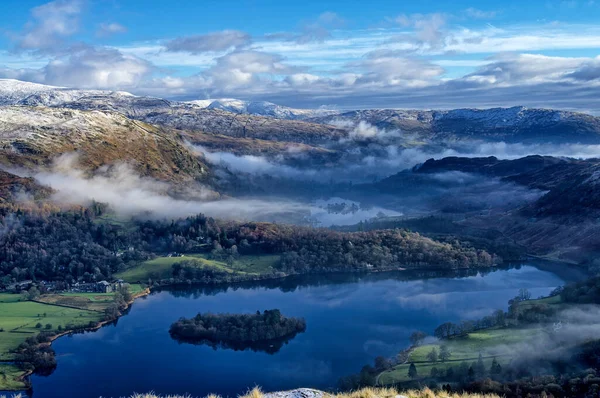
{"points": [[266, 331]]}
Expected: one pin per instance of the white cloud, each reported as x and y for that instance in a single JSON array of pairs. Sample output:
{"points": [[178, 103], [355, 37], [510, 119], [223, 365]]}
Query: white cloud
{"points": [[429, 30], [479, 14], [210, 42], [423, 60], [319, 29], [50, 24], [245, 69], [87, 67], [386, 69], [109, 29], [97, 68]]}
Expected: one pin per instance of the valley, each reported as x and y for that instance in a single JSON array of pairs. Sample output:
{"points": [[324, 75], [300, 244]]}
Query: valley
{"points": [[370, 223]]}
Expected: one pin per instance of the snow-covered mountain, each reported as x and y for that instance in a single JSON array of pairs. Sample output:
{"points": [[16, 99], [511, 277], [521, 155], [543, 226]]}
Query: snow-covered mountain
{"points": [[260, 108], [266, 120], [13, 91], [16, 92], [516, 124]]}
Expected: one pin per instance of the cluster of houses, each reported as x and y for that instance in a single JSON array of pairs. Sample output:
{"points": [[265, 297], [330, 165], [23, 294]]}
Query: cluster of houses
{"points": [[77, 287], [96, 287]]}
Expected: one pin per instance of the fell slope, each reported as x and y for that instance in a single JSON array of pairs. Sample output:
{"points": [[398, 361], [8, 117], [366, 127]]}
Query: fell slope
{"points": [[516, 124], [34, 136]]}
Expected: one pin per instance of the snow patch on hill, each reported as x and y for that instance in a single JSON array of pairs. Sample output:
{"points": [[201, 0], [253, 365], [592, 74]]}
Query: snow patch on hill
{"points": [[15, 92], [261, 108]]}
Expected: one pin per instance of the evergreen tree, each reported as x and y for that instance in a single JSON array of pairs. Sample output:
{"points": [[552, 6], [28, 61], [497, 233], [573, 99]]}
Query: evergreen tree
{"points": [[480, 367], [412, 371], [495, 369]]}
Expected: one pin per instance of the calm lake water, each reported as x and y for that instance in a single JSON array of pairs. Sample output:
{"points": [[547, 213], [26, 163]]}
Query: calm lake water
{"points": [[351, 319]]}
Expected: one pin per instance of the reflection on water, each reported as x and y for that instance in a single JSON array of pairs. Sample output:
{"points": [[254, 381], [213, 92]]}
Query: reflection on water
{"points": [[351, 319]]}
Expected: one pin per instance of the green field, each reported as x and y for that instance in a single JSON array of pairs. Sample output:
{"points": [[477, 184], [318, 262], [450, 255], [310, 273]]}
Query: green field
{"points": [[160, 267], [8, 377], [488, 342], [18, 320]]}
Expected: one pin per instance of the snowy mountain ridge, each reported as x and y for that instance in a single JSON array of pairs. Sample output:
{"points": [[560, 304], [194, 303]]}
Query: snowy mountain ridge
{"points": [[261, 108], [16, 92], [266, 120]]}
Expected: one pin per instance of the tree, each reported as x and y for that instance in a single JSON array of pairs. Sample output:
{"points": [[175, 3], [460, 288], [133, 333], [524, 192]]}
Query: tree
{"points": [[480, 367], [416, 338], [432, 356], [434, 372], [48, 326], [382, 363], [500, 318], [111, 312], [412, 371], [445, 330], [471, 373], [367, 376], [32, 294], [495, 369], [38, 325], [445, 353], [524, 294]]}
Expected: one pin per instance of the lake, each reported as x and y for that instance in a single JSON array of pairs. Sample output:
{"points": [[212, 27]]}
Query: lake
{"points": [[350, 319]]}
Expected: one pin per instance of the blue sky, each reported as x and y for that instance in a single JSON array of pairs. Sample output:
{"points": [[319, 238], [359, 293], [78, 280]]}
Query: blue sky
{"points": [[425, 54]]}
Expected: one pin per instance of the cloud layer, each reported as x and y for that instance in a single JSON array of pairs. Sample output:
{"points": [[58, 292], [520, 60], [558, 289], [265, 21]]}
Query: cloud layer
{"points": [[435, 60]]}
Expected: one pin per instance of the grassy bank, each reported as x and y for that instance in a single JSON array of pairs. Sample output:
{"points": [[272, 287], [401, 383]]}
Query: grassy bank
{"points": [[490, 343], [463, 349], [161, 267], [56, 313]]}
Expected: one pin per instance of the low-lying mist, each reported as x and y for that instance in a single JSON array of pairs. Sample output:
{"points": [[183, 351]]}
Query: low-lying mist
{"points": [[574, 326], [130, 195], [369, 153]]}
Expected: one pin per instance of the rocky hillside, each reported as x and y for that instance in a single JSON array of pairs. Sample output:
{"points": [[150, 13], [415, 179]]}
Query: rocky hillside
{"points": [[573, 185], [491, 166], [562, 223], [233, 118], [32, 137], [14, 188]]}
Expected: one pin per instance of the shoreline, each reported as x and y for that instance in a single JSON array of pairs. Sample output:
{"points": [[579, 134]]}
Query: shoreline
{"points": [[97, 326], [265, 278]]}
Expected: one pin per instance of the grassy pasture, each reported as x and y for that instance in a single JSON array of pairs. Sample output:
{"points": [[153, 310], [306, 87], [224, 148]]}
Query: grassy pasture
{"points": [[19, 319], [160, 267], [488, 342]]}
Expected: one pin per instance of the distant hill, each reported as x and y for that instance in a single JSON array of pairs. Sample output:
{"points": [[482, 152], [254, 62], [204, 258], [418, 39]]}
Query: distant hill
{"points": [[517, 124], [269, 121]]}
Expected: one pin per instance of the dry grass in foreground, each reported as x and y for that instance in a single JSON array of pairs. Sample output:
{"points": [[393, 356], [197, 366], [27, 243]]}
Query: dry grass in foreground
{"points": [[362, 393]]}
